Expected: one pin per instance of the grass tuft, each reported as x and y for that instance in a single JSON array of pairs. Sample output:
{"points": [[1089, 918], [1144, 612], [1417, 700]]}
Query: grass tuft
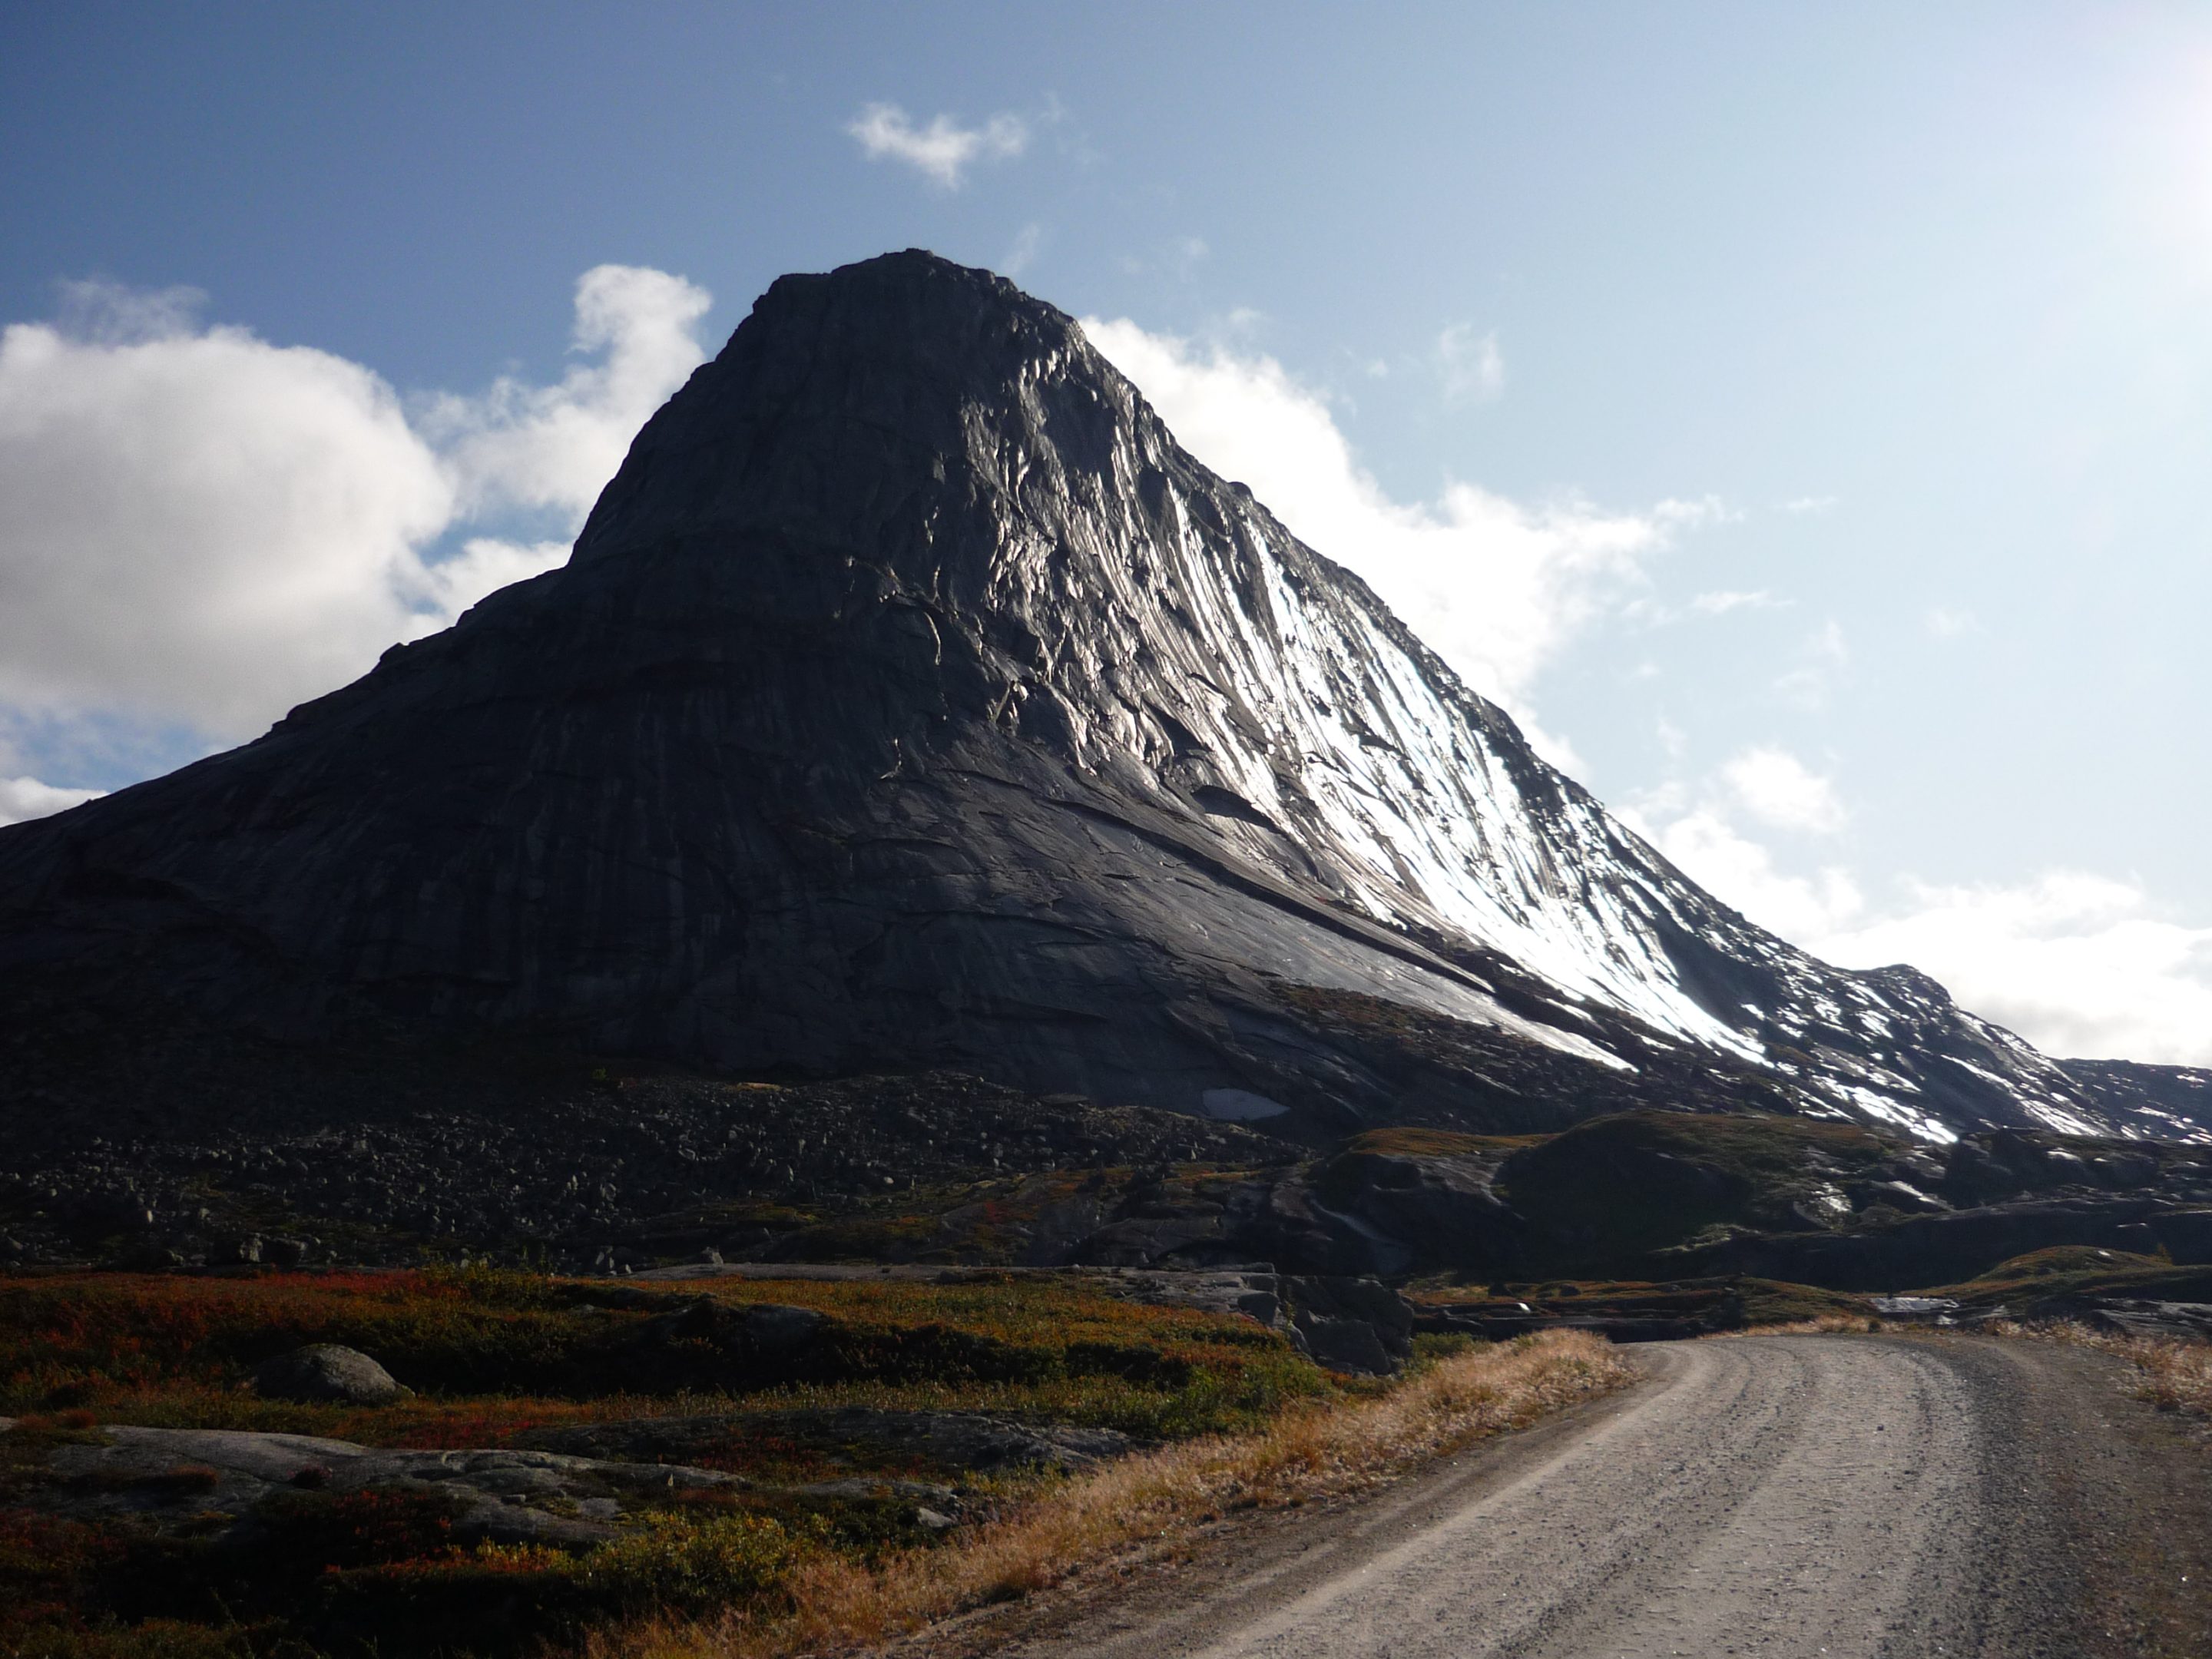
{"points": [[2173, 1375], [1145, 1505]]}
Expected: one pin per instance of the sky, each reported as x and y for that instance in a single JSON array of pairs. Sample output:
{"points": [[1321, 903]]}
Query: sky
{"points": [[1796, 416]]}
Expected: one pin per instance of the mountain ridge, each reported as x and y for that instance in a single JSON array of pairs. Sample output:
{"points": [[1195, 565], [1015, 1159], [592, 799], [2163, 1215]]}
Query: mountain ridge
{"points": [[911, 698]]}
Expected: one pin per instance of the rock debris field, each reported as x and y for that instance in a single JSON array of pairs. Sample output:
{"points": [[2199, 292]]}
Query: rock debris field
{"points": [[620, 1173]]}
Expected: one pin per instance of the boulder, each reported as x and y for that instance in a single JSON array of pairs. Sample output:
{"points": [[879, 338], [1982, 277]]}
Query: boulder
{"points": [[1351, 1324], [326, 1371]]}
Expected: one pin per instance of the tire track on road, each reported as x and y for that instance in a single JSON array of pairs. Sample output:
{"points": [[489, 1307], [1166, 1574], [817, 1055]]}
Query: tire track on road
{"points": [[1856, 1497]]}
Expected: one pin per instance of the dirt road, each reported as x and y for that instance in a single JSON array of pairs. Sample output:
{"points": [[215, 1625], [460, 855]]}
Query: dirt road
{"points": [[1768, 1496]]}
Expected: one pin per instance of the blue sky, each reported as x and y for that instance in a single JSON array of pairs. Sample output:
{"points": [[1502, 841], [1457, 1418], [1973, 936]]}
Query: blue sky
{"points": [[1799, 415]]}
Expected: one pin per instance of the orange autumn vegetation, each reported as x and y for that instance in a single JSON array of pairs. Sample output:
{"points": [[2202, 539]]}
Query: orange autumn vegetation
{"points": [[495, 1354], [1238, 1417], [1143, 1505]]}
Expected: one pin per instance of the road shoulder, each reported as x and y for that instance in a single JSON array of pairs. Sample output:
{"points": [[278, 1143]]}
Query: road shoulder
{"points": [[1246, 1564], [2127, 1487]]}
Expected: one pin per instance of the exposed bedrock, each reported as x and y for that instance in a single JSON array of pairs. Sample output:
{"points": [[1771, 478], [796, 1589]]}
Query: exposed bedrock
{"points": [[911, 698]]}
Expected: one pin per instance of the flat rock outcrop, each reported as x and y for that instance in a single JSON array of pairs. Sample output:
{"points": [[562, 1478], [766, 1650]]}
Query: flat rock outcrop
{"points": [[956, 1440], [183, 1476]]}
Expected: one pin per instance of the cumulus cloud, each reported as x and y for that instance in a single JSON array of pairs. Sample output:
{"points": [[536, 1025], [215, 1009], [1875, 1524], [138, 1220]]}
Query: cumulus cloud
{"points": [[1699, 830], [1496, 587], [1706, 844], [205, 528], [555, 446], [1781, 791], [201, 525], [27, 797], [1469, 364], [942, 151], [441, 591], [2077, 962]]}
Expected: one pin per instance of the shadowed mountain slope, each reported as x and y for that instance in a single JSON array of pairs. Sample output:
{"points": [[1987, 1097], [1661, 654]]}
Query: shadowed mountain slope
{"points": [[911, 698]]}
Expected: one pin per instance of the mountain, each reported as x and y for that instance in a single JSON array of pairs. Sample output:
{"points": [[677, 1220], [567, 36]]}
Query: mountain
{"points": [[912, 699]]}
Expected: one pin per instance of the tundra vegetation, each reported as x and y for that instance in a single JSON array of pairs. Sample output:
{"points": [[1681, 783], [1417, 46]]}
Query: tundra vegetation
{"points": [[994, 1391], [781, 1529]]}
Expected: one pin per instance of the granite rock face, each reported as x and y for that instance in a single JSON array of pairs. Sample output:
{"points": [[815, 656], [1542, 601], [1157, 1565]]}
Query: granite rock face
{"points": [[911, 698]]}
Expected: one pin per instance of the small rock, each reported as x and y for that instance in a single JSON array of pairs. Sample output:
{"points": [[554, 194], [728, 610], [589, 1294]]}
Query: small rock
{"points": [[326, 1371], [776, 1328]]}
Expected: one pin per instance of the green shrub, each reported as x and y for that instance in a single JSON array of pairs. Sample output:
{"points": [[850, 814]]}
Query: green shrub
{"points": [[695, 1564]]}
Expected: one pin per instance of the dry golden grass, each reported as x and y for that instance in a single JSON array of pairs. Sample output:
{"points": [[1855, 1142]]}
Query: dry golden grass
{"points": [[2172, 1375], [1145, 1504], [1819, 1325]]}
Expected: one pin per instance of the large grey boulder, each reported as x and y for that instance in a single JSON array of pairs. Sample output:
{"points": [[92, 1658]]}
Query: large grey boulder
{"points": [[326, 1371], [1348, 1323]]}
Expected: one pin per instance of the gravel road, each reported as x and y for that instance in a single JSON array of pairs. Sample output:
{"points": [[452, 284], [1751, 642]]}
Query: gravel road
{"points": [[1771, 1496]]}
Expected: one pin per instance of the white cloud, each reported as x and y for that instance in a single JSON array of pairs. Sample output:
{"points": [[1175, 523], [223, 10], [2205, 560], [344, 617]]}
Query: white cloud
{"points": [[1779, 790], [1179, 259], [200, 526], [1469, 364], [27, 797], [2076, 963], [1696, 828], [110, 314], [1020, 257], [556, 446], [203, 528], [484, 565], [1945, 623], [1651, 613], [1804, 504], [1696, 512], [1709, 848], [1496, 587], [1820, 658], [1723, 600], [944, 149]]}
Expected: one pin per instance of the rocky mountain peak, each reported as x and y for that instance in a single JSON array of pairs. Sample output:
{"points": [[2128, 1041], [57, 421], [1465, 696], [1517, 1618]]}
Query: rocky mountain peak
{"points": [[912, 698]]}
